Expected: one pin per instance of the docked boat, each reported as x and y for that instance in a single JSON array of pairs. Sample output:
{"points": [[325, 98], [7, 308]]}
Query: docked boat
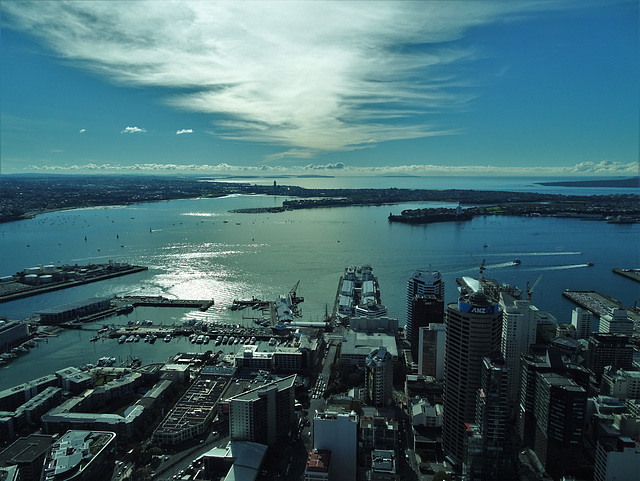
{"points": [[122, 339], [136, 338], [200, 339], [206, 339], [253, 340], [167, 338], [130, 339], [152, 338]]}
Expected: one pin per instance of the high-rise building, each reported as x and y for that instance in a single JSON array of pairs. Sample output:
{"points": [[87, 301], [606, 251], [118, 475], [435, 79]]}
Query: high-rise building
{"points": [[426, 309], [519, 325], [582, 320], [422, 282], [617, 323], [379, 377], [474, 327], [617, 458], [492, 414], [559, 411], [338, 432], [431, 341], [613, 350], [265, 414]]}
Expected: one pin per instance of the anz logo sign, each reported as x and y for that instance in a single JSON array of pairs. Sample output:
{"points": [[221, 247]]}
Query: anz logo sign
{"points": [[471, 309], [481, 310]]}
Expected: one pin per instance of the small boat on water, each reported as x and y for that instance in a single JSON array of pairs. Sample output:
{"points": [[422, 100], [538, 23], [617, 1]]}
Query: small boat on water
{"points": [[167, 338], [516, 262], [152, 338], [94, 338], [122, 339]]}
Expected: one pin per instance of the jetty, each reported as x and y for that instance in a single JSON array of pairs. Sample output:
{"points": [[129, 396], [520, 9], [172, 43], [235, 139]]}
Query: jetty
{"points": [[600, 304], [633, 274], [159, 301], [33, 281]]}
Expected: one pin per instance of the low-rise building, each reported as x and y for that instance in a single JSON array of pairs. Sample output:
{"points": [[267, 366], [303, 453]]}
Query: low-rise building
{"points": [[81, 456]]}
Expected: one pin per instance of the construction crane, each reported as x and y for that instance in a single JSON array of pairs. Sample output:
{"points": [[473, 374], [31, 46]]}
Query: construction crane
{"points": [[480, 265], [530, 289], [295, 299]]}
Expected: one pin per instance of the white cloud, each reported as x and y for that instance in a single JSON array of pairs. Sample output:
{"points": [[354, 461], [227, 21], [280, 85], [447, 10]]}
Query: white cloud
{"points": [[132, 130], [604, 168], [312, 76], [82, 131], [184, 131]]}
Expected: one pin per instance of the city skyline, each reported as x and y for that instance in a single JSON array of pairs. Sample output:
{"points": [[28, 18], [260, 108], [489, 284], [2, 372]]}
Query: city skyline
{"points": [[417, 88]]}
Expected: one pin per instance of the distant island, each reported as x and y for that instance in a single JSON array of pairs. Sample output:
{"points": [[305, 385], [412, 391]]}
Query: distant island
{"points": [[25, 196], [633, 182]]}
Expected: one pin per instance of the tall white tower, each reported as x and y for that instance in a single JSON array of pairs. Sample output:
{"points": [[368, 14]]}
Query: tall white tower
{"points": [[582, 321], [519, 322]]}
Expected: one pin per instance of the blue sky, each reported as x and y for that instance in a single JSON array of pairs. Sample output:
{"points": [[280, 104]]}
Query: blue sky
{"points": [[421, 88]]}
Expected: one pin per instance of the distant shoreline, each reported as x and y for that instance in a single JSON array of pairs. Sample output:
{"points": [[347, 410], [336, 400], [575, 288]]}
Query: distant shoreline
{"points": [[632, 182]]}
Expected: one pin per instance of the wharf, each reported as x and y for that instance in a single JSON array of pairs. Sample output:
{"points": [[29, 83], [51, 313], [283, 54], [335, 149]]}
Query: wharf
{"points": [[633, 274], [159, 301], [600, 304], [13, 290]]}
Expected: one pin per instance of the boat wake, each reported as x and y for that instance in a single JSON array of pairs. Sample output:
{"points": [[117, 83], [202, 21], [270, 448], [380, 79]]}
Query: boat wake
{"points": [[559, 268]]}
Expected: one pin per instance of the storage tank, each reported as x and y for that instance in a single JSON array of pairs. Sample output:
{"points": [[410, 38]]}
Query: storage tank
{"points": [[33, 270], [49, 269], [46, 279], [31, 279]]}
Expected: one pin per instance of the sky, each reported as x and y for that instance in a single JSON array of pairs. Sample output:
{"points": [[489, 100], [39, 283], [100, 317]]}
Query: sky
{"points": [[548, 88]]}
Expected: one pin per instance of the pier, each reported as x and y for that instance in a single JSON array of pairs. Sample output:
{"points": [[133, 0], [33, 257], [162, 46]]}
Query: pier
{"points": [[159, 301], [53, 278], [633, 274], [600, 304]]}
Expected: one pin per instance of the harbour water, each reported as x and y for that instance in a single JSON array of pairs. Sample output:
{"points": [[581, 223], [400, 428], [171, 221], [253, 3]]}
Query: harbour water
{"points": [[198, 249]]}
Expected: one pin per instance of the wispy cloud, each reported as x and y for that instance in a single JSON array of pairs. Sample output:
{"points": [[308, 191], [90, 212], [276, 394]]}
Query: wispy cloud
{"points": [[184, 131], [82, 131], [604, 168], [311, 76], [132, 130]]}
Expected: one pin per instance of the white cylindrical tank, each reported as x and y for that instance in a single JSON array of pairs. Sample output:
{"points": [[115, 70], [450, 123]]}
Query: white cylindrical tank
{"points": [[46, 279], [31, 278]]}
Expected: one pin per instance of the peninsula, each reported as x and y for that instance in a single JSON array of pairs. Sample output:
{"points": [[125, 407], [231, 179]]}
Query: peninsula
{"points": [[26, 196]]}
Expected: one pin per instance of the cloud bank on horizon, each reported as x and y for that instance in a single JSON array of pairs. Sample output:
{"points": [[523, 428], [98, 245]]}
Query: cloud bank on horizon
{"points": [[604, 168], [307, 77]]}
